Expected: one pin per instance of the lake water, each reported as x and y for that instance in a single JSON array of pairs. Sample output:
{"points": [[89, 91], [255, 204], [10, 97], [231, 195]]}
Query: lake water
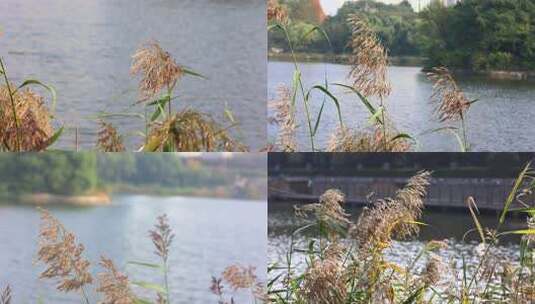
{"points": [[209, 236], [282, 222], [84, 49], [499, 121]]}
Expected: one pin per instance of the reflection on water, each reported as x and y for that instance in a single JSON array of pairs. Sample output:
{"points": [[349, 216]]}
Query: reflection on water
{"points": [[209, 235], [440, 225], [499, 121], [84, 49]]}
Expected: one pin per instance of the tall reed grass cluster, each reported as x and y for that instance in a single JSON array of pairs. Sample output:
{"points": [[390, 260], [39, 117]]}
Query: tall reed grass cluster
{"points": [[28, 121], [64, 261], [342, 260], [369, 84]]}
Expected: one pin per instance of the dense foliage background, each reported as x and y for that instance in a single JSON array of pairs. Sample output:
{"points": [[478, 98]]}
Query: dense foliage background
{"points": [[80, 172], [474, 34]]}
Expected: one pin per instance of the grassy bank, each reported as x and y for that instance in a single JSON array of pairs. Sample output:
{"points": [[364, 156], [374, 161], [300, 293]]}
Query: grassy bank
{"points": [[342, 58], [157, 190]]}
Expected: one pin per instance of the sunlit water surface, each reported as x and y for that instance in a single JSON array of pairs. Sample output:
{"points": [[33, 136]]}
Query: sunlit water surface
{"points": [[499, 121], [451, 227]]}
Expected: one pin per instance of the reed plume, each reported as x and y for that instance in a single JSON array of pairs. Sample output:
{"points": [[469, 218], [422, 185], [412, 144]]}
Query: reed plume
{"points": [[62, 255], [276, 12], [349, 140], [5, 297], [114, 285], [189, 130], [369, 60], [393, 217], [329, 212], [451, 103], [157, 68], [162, 237], [324, 282], [240, 277], [109, 140], [285, 119], [27, 127], [433, 270]]}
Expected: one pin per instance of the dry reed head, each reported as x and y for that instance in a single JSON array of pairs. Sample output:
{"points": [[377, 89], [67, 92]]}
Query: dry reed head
{"points": [[61, 254], [241, 277], [33, 119], [433, 270], [448, 97], [393, 217], [5, 297], [188, 131], [285, 119], [349, 140], [369, 60], [109, 140], [324, 282], [162, 237], [276, 12], [114, 285], [329, 211], [157, 68]]}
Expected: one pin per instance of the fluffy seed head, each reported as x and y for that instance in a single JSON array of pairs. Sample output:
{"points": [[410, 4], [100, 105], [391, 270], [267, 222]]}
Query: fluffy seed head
{"points": [[285, 119], [61, 254], [369, 60], [109, 140], [393, 217], [451, 104], [157, 68], [189, 130], [433, 270], [324, 281], [32, 117], [162, 237], [329, 212], [276, 12], [114, 285], [349, 140]]}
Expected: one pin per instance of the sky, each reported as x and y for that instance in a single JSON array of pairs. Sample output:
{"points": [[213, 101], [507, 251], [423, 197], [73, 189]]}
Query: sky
{"points": [[331, 6]]}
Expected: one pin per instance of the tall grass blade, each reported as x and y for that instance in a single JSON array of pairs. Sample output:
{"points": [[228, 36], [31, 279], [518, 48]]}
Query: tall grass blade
{"points": [[512, 194]]}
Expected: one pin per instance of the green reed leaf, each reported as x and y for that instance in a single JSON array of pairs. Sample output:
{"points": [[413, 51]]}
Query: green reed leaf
{"points": [[151, 286], [512, 194], [332, 97], [362, 99], [188, 71]]}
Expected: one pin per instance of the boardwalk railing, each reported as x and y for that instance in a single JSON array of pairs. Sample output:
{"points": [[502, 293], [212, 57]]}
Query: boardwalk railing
{"points": [[489, 193]]}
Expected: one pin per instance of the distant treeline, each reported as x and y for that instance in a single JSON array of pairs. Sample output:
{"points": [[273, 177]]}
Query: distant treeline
{"points": [[81, 172], [502, 165], [474, 34]]}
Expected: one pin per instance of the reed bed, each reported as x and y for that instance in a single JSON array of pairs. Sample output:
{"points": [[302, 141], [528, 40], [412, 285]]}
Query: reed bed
{"points": [[369, 84], [63, 258], [28, 119], [343, 261]]}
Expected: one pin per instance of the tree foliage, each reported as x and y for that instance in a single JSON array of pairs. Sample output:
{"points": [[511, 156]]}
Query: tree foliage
{"points": [[473, 34]]}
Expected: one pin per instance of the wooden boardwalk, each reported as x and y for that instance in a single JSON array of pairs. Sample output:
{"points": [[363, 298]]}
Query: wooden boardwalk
{"points": [[448, 193]]}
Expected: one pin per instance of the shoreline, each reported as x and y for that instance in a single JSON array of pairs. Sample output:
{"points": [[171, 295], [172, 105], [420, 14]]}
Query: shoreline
{"points": [[405, 61], [341, 58], [87, 200]]}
